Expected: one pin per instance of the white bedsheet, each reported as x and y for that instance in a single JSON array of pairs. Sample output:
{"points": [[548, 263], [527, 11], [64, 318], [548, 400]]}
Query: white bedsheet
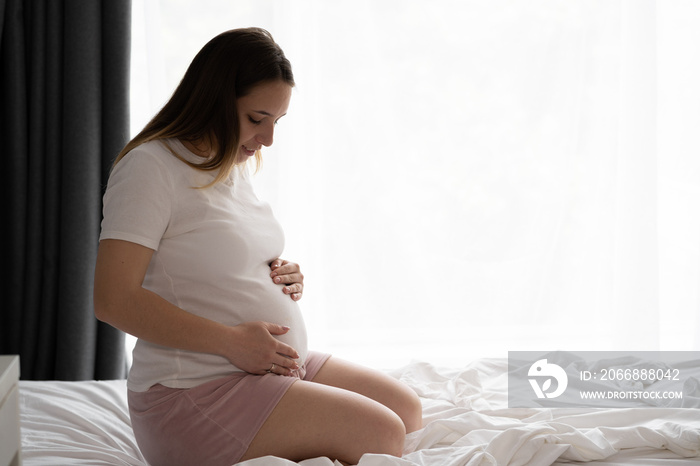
{"points": [[466, 422], [66, 423]]}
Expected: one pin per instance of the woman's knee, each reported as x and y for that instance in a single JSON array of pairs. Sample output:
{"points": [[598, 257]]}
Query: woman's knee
{"points": [[411, 411], [406, 403], [387, 431]]}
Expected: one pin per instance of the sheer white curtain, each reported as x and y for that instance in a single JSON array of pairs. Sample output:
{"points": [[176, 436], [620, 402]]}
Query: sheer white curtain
{"points": [[463, 178]]}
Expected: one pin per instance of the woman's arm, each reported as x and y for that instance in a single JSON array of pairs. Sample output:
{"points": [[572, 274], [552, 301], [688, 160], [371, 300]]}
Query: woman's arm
{"points": [[121, 301]]}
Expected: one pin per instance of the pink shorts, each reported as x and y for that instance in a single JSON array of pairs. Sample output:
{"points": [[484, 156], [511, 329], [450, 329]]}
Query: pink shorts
{"points": [[213, 423]]}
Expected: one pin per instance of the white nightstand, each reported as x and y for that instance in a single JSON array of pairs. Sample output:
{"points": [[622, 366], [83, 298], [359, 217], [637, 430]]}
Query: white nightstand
{"points": [[9, 411]]}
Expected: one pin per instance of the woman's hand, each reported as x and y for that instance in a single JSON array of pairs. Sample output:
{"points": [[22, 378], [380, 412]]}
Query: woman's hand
{"points": [[254, 349], [288, 274]]}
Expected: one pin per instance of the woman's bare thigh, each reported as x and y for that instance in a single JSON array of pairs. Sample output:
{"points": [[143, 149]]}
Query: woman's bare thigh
{"points": [[376, 385], [313, 419]]}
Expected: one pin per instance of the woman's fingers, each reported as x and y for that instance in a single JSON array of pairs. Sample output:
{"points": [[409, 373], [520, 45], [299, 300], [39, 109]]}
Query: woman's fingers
{"points": [[282, 349], [288, 274], [254, 349], [293, 288], [284, 362], [284, 366]]}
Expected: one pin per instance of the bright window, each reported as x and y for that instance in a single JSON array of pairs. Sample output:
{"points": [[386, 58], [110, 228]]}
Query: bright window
{"points": [[458, 179]]}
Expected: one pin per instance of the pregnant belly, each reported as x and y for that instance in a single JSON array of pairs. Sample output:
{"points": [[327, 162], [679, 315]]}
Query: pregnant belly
{"points": [[272, 305]]}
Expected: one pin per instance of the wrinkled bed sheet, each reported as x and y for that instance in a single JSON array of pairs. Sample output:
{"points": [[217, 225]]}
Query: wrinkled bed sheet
{"points": [[466, 422]]}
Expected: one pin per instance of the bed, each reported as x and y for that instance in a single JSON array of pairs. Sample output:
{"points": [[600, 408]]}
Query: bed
{"points": [[466, 422]]}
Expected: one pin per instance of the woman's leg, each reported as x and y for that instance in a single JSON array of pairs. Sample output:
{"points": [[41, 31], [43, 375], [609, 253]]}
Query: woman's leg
{"points": [[314, 420], [345, 412], [376, 385]]}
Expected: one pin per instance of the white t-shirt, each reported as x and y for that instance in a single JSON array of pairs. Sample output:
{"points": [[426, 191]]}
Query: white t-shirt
{"points": [[212, 250]]}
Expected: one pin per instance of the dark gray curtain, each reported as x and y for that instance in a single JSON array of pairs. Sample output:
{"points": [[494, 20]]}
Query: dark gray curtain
{"points": [[64, 67]]}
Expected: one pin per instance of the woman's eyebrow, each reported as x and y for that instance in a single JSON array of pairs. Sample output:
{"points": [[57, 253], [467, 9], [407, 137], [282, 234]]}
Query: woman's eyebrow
{"points": [[263, 112]]}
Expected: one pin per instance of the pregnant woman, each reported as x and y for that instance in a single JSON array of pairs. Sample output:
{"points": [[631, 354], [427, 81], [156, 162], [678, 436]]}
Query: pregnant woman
{"points": [[189, 263]]}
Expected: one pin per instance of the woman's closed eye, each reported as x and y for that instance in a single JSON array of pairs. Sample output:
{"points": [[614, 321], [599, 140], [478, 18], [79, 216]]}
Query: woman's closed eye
{"points": [[254, 121]]}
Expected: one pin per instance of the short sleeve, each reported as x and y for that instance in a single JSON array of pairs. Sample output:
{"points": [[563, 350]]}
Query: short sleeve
{"points": [[138, 201]]}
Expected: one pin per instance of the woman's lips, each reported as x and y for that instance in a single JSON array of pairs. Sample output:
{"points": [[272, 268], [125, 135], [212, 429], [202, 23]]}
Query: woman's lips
{"points": [[247, 151]]}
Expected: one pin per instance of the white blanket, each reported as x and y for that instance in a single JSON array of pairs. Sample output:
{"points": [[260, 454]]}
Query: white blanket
{"points": [[465, 416]]}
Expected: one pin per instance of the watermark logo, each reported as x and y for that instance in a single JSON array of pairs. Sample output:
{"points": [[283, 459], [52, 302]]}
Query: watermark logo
{"points": [[547, 371], [603, 379]]}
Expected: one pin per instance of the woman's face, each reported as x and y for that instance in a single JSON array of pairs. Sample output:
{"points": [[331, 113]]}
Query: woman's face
{"points": [[258, 113]]}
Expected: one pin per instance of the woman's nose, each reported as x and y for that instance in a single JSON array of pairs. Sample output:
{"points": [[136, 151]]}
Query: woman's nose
{"points": [[266, 136]]}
